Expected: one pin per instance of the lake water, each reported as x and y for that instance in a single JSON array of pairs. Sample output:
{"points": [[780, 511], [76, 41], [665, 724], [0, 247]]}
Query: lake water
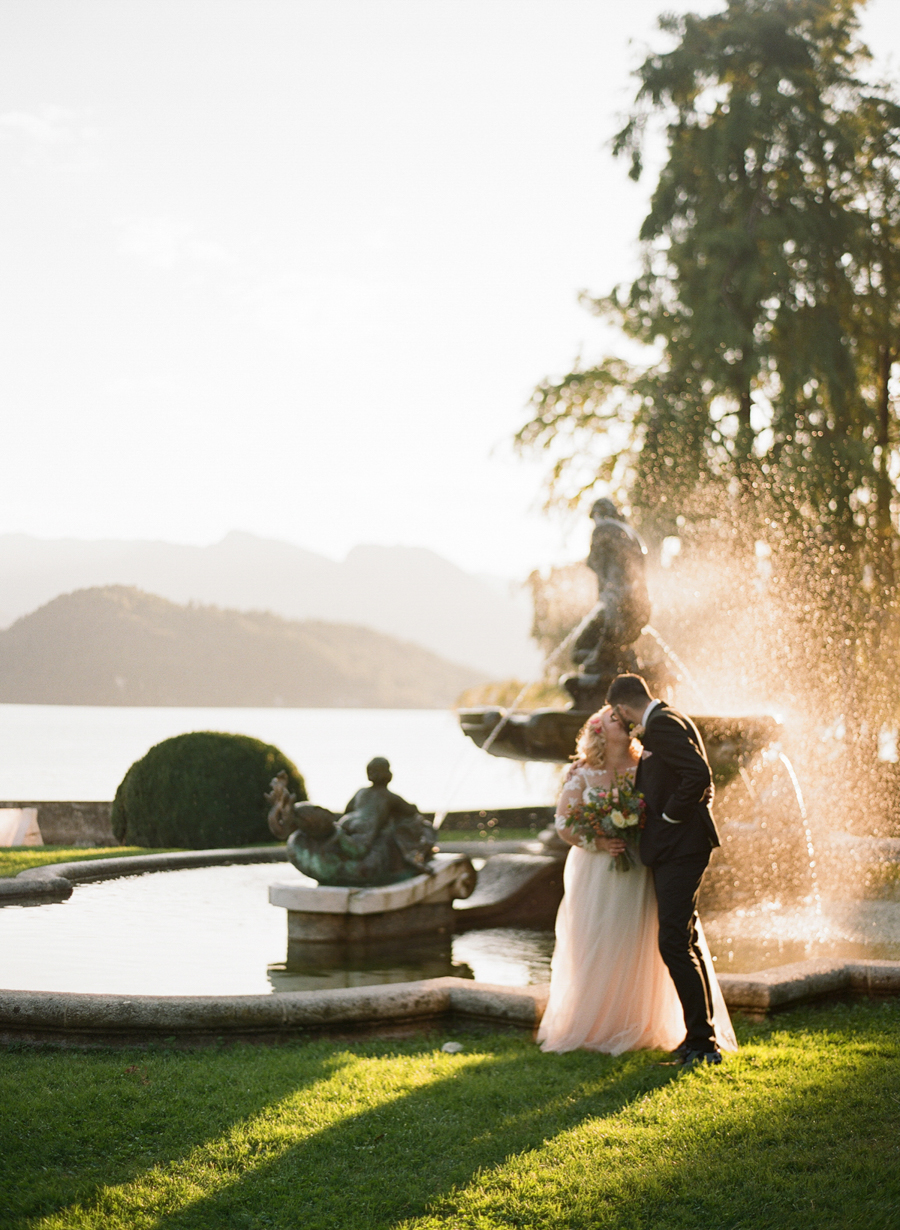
{"points": [[61, 752]]}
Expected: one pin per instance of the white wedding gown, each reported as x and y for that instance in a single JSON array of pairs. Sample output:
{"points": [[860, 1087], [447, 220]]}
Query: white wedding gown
{"points": [[609, 988]]}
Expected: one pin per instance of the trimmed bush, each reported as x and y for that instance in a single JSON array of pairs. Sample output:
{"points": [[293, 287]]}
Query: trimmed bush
{"points": [[200, 791]]}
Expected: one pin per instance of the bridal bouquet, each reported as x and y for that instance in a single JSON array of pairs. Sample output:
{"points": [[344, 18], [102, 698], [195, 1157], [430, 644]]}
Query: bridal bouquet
{"points": [[617, 811]]}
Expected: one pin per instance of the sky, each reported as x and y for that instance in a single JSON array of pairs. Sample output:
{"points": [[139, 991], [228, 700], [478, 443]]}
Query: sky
{"points": [[293, 267]]}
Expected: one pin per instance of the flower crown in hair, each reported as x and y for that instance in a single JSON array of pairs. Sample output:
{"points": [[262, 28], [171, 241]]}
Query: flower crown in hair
{"points": [[595, 724]]}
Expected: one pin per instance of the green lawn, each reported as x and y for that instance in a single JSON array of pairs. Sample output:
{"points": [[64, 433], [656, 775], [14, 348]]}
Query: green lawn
{"points": [[14, 859], [799, 1130]]}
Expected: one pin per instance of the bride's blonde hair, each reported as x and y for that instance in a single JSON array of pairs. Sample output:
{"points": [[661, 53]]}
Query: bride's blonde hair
{"points": [[590, 746]]}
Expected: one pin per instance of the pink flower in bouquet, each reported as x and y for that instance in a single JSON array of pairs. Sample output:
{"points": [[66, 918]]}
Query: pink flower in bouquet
{"points": [[617, 812]]}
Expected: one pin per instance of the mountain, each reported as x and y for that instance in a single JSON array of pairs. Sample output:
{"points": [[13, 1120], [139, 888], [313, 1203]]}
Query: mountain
{"points": [[121, 646], [407, 592]]}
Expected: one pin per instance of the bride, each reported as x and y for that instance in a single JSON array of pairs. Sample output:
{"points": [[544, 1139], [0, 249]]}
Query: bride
{"points": [[609, 988]]}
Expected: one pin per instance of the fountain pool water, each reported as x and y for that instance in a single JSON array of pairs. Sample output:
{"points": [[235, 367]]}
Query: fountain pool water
{"points": [[211, 931]]}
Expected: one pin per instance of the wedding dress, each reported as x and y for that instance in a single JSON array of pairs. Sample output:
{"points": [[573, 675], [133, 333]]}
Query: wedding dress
{"points": [[609, 988]]}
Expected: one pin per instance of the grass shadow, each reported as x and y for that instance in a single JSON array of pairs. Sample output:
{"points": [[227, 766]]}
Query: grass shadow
{"points": [[74, 1122], [390, 1161], [796, 1132]]}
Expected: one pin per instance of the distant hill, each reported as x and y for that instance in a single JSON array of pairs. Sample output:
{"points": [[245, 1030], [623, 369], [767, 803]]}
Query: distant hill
{"points": [[119, 646], [410, 593]]}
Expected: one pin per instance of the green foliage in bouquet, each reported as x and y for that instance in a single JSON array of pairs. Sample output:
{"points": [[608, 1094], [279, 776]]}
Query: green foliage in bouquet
{"points": [[618, 811], [200, 791]]}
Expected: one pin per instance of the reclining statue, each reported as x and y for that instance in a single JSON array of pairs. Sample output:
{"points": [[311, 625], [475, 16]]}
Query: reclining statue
{"points": [[380, 838]]}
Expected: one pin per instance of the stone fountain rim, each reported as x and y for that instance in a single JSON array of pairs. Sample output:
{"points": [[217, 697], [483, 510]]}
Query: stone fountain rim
{"points": [[75, 1018], [54, 882], [89, 870]]}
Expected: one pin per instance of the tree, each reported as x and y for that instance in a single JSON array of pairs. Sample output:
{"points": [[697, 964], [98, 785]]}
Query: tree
{"points": [[874, 267], [770, 257], [767, 302]]}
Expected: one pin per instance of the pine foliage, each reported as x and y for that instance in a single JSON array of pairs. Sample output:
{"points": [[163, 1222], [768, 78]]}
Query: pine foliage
{"points": [[767, 294]]}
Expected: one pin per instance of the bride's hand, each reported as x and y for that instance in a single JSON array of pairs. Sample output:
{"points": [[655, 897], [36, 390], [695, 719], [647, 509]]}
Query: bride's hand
{"points": [[612, 845]]}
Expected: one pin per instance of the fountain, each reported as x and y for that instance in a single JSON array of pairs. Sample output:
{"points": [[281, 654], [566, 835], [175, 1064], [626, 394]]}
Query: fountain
{"points": [[758, 801], [604, 645], [768, 898], [379, 926]]}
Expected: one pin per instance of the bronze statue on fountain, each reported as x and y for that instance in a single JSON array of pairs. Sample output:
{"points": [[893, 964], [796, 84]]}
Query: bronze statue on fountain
{"points": [[605, 645], [602, 646], [380, 838]]}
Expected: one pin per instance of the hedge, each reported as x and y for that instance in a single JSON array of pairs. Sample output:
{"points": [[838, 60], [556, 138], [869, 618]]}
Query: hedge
{"points": [[200, 791]]}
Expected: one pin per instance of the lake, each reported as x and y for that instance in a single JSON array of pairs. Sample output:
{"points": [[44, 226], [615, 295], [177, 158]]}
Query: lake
{"points": [[62, 752]]}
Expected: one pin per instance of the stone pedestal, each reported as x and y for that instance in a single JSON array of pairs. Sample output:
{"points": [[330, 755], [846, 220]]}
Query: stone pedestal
{"points": [[326, 924]]}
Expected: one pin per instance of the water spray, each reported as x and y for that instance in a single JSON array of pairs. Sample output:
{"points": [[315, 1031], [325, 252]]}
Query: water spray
{"points": [[554, 656], [745, 776], [514, 707]]}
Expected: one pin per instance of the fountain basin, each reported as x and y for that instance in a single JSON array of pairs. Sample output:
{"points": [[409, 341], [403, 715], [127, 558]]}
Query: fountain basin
{"points": [[386, 1009], [208, 929], [550, 734], [394, 1006]]}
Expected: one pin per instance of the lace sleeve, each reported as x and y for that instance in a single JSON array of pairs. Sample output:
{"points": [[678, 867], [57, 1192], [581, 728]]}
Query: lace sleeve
{"points": [[570, 796]]}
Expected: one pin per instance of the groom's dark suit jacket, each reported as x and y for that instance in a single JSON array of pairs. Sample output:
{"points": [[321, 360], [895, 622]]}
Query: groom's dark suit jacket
{"points": [[673, 776]]}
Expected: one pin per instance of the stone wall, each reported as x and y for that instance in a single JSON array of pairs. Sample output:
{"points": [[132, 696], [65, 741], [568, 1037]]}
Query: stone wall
{"points": [[71, 824]]}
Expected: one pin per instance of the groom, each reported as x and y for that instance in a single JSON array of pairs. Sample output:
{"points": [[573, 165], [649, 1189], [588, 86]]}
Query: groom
{"points": [[675, 779]]}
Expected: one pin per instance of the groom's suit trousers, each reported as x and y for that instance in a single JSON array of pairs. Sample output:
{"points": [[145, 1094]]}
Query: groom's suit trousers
{"points": [[677, 888]]}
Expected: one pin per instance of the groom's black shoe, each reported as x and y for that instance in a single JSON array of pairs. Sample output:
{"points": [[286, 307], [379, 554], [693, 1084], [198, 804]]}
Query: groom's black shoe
{"points": [[676, 1058], [694, 1059]]}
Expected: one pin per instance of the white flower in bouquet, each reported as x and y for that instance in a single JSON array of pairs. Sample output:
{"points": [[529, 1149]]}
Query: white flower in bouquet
{"points": [[617, 811]]}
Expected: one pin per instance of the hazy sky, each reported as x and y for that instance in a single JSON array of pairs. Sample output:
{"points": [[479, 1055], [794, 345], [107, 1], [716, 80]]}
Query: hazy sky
{"points": [[294, 266]]}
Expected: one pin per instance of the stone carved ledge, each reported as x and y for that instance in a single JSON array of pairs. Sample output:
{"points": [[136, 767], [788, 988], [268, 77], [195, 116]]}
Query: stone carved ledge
{"points": [[449, 869], [785, 985], [72, 1019]]}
